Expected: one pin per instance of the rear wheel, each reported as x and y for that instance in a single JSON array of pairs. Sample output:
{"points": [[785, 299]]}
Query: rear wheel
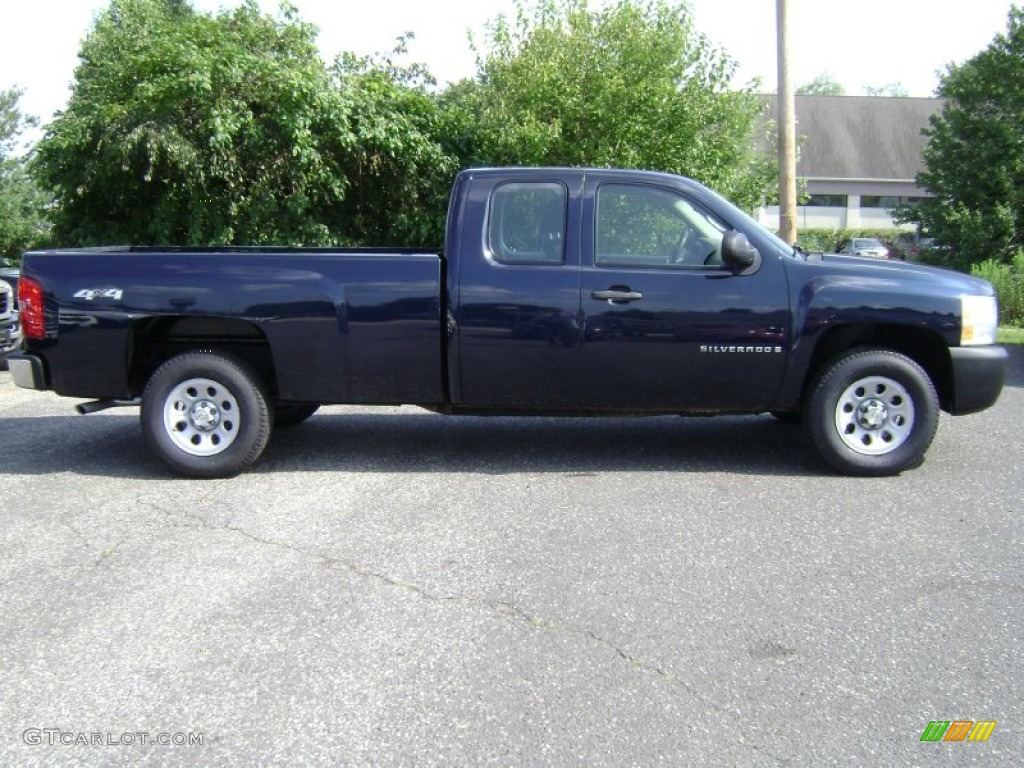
{"points": [[205, 414], [873, 413]]}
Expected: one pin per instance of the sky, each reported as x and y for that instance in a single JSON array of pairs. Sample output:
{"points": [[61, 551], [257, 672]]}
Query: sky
{"points": [[858, 43]]}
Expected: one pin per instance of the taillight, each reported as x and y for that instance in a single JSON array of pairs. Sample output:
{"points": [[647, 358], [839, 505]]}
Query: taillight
{"points": [[33, 320]]}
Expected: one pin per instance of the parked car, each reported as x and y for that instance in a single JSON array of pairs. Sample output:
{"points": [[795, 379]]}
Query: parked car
{"points": [[909, 245], [10, 328], [864, 246], [9, 275]]}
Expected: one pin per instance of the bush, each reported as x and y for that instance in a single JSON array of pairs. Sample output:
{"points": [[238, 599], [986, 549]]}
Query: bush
{"points": [[1008, 280]]}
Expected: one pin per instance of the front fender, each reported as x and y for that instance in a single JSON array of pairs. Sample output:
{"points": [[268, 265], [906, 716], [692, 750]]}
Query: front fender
{"points": [[843, 310]]}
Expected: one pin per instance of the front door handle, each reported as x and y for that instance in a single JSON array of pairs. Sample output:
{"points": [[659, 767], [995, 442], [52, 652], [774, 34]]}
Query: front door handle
{"points": [[613, 295]]}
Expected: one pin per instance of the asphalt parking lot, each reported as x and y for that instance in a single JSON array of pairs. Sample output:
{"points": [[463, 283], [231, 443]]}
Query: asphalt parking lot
{"points": [[390, 587]]}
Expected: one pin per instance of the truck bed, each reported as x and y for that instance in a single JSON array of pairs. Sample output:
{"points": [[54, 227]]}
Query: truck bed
{"points": [[354, 326]]}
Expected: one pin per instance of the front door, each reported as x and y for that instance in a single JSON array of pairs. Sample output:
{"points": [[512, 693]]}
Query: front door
{"points": [[666, 325]]}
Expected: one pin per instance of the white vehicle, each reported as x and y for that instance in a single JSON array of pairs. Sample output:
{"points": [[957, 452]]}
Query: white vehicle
{"points": [[864, 246], [10, 329]]}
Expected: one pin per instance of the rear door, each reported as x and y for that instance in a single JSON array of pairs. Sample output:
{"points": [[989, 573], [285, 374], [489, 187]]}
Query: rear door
{"points": [[666, 325], [517, 313]]}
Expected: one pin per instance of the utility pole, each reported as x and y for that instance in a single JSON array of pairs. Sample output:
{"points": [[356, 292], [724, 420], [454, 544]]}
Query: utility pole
{"points": [[787, 129]]}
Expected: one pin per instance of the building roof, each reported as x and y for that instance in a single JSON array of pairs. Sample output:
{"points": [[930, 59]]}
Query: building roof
{"points": [[861, 137]]}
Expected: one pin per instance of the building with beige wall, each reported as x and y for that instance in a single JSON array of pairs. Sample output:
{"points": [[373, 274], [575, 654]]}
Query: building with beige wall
{"points": [[858, 157]]}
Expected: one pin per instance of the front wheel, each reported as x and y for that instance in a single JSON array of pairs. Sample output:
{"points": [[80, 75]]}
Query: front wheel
{"points": [[205, 414], [873, 413]]}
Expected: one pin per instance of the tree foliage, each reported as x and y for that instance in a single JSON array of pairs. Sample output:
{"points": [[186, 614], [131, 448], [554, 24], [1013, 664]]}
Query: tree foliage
{"points": [[823, 85], [190, 128], [399, 170], [22, 203], [974, 159], [193, 128], [891, 90], [632, 85]]}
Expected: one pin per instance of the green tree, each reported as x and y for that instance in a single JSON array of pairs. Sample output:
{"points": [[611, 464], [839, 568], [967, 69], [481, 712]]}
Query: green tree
{"points": [[196, 129], [895, 90], [631, 85], [192, 128], [823, 85], [398, 170], [22, 203], [974, 159], [188, 128]]}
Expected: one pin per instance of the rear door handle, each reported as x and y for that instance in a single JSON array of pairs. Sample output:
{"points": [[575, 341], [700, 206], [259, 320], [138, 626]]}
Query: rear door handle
{"points": [[613, 295]]}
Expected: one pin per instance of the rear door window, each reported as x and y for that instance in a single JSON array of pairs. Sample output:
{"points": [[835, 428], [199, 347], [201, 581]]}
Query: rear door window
{"points": [[527, 223]]}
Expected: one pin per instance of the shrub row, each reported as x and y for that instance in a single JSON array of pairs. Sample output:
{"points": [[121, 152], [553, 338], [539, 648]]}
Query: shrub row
{"points": [[1008, 280]]}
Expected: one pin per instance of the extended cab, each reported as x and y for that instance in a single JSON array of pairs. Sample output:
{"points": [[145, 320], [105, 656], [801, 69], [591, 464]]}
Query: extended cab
{"points": [[559, 291]]}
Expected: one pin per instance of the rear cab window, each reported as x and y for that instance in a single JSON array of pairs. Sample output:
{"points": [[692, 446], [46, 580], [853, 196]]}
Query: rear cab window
{"points": [[527, 222]]}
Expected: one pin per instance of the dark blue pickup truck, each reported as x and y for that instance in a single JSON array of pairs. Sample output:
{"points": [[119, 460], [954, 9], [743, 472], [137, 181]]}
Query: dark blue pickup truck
{"points": [[559, 291]]}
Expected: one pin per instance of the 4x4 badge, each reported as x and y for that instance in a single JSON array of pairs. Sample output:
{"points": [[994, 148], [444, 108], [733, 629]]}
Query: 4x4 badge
{"points": [[99, 293]]}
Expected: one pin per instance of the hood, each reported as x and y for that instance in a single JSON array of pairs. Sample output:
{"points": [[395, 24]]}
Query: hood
{"points": [[946, 281]]}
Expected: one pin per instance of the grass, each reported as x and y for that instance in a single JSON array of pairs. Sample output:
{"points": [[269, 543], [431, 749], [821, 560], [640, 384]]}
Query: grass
{"points": [[1008, 335]]}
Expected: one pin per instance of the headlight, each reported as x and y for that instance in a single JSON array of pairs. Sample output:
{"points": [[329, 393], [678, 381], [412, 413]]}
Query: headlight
{"points": [[980, 317]]}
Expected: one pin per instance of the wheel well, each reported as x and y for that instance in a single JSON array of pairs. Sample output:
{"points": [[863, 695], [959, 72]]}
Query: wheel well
{"points": [[924, 347], [157, 339]]}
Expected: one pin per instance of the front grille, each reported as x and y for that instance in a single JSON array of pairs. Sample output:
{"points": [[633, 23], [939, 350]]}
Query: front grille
{"points": [[5, 302]]}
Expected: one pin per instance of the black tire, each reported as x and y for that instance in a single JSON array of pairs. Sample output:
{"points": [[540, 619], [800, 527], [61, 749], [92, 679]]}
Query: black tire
{"points": [[872, 413], [290, 414], [205, 414]]}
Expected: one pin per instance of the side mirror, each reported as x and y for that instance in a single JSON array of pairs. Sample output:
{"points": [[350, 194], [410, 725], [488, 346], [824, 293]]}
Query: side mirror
{"points": [[738, 254]]}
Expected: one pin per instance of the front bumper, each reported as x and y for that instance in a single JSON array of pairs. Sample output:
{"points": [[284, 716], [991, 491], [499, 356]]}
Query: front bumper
{"points": [[27, 371], [978, 377]]}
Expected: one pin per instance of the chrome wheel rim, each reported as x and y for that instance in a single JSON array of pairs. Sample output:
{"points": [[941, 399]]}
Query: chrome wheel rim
{"points": [[201, 417], [875, 416]]}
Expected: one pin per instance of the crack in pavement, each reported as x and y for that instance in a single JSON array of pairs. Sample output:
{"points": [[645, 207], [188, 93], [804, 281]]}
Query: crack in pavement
{"points": [[108, 553], [501, 608], [100, 557]]}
